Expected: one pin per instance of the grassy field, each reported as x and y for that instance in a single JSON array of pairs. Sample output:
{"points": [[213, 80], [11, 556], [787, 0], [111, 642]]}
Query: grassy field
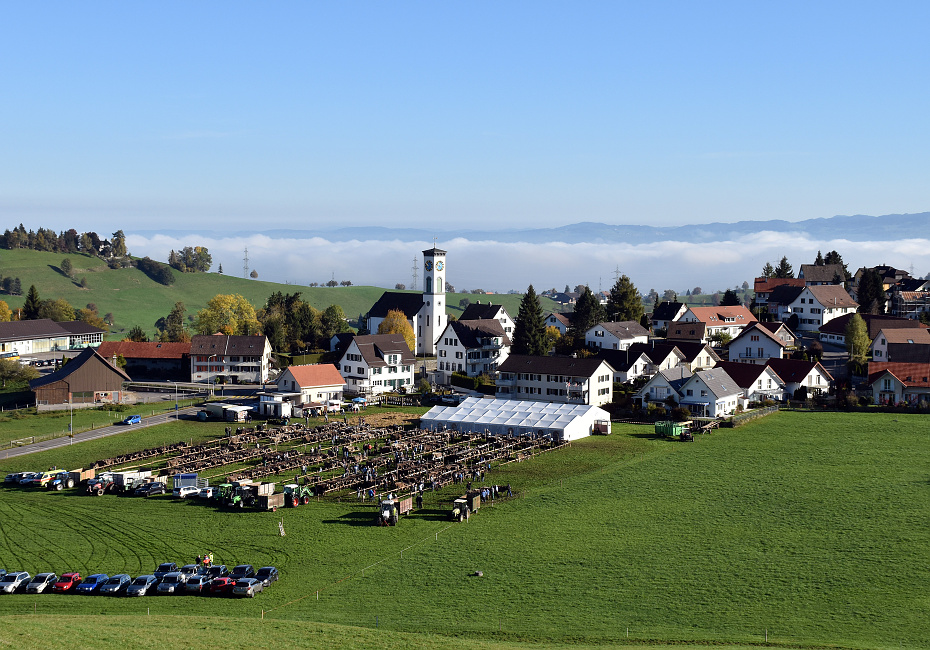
{"points": [[134, 299], [808, 528]]}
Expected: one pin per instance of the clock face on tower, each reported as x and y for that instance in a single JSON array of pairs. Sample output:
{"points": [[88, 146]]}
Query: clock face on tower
{"points": [[429, 265], [439, 265]]}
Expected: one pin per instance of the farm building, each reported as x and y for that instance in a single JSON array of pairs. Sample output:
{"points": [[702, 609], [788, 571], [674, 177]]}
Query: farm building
{"points": [[505, 417], [88, 378]]}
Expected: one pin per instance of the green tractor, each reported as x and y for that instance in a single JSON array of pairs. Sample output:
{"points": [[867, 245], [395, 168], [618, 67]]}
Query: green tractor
{"points": [[295, 495]]}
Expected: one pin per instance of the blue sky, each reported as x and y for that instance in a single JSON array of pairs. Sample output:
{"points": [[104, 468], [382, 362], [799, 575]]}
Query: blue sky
{"points": [[312, 114]]}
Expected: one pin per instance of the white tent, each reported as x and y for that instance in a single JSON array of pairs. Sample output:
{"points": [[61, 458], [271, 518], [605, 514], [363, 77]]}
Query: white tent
{"points": [[503, 417]]}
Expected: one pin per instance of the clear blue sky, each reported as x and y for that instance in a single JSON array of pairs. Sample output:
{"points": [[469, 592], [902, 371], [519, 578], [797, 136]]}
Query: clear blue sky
{"points": [[310, 114]]}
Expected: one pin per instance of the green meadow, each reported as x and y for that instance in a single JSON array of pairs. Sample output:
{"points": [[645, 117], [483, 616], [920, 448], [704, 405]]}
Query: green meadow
{"points": [[798, 530], [134, 299]]}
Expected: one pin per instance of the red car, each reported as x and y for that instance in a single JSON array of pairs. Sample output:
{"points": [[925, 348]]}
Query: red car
{"points": [[67, 582], [222, 586]]}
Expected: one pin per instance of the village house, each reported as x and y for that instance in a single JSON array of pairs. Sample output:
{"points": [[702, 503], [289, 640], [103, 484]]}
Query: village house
{"points": [[487, 311], [909, 299], [815, 275], [900, 383], [710, 393], [628, 364], [898, 341], [717, 320], [817, 305], [312, 386], [756, 344], [559, 321], [663, 385], [666, 312], [618, 335], [86, 380], [232, 359], [471, 347], [152, 360], [556, 379], [834, 332], [758, 382], [697, 355], [377, 363], [764, 287], [797, 374]]}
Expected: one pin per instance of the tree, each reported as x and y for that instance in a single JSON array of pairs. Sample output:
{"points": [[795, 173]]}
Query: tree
{"points": [[624, 302], [17, 288], [138, 335], [768, 271], [669, 294], [346, 283], [696, 291], [90, 317], [745, 285], [6, 314], [730, 299], [463, 303], [529, 336], [784, 269], [254, 275], [66, 267], [819, 261], [108, 318], [395, 322], [14, 371], [173, 328], [32, 305], [118, 244], [83, 283], [449, 288], [220, 270], [871, 293], [588, 313], [857, 339], [835, 258], [57, 310], [400, 286], [228, 314], [333, 321]]}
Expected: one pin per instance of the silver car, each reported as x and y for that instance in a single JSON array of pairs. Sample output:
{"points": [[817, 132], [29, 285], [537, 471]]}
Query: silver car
{"points": [[41, 582], [13, 581], [247, 587], [142, 585], [173, 583]]}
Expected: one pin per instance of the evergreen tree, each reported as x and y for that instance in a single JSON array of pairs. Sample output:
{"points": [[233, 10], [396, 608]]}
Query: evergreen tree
{"points": [[32, 305], [529, 335], [138, 335], [835, 258], [784, 269], [118, 244], [768, 271], [819, 261], [624, 302], [730, 299], [588, 313], [871, 293], [174, 330], [66, 267]]}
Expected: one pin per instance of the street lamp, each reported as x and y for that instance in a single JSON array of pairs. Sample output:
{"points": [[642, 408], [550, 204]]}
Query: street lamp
{"points": [[176, 414]]}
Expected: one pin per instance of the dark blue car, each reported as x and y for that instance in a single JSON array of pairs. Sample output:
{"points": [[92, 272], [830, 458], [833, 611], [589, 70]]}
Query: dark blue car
{"points": [[92, 583]]}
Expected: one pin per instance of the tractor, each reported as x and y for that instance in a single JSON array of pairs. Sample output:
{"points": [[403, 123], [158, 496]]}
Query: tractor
{"points": [[390, 510], [465, 505], [60, 481], [295, 495]]}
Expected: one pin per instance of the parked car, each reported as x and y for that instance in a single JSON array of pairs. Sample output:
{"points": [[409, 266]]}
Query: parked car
{"points": [[217, 571], [13, 477], [14, 581], [173, 583], [164, 569], [247, 587], [67, 582], [91, 583], [41, 582], [185, 491], [207, 493], [267, 574], [190, 570], [27, 477], [142, 586], [42, 478], [150, 489], [133, 419], [116, 585], [221, 586], [197, 585], [242, 571]]}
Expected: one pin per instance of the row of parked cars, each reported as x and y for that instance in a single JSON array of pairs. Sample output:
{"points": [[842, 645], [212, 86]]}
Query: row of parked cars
{"points": [[168, 578]]}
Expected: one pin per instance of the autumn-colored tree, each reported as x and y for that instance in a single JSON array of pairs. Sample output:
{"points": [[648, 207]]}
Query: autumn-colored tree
{"points": [[58, 310], [90, 317], [396, 323], [6, 314], [229, 314]]}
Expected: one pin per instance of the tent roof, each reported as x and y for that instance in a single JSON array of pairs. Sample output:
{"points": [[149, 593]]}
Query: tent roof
{"points": [[511, 413]]}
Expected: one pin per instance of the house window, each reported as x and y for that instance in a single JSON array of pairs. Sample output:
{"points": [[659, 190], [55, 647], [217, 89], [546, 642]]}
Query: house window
{"points": [[886, 384], [761, 352], [690, 392], [703, 393]]}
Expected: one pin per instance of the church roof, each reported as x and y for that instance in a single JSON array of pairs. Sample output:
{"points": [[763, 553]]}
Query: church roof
{"points": [[409, 303]]}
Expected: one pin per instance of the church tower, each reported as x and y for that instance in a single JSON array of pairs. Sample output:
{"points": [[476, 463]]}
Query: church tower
{"points": [[432, 318]]}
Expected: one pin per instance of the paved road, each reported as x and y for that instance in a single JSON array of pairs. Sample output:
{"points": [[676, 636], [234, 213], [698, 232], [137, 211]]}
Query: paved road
{"points": [[56, 443]]}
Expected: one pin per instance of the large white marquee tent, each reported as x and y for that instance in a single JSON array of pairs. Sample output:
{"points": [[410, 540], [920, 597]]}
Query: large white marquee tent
{"points": [[503, 417]]}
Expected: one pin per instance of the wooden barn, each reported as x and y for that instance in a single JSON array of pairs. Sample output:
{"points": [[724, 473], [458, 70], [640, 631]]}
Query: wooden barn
{"points": [[86, 379]]}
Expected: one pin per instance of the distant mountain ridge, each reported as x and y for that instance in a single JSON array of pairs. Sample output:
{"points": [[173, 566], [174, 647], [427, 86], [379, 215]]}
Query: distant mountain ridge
{"points": [[854, 228]]}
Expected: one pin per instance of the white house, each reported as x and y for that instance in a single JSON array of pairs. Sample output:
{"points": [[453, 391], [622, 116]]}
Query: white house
{"points": [[756, 344], [718, 320], [559, 321], [236, 359], [471, 347], [818, 305], [667, 312], [627, 364], [797, 373], [615, 335], [377, 363], [897, 383], [556, 379], [298, 387], [664, 384], [890, 337], [758, 382], [710, 393], [487, 311]]}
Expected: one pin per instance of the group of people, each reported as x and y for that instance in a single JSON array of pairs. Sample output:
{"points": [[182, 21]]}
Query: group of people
{"points": [[205, 560]]}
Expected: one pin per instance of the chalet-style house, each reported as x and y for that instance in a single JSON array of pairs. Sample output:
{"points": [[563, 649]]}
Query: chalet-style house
{"points": [[716, 320], [797, 373], [233, 359], [834, 332], [615, 335], [311, 386], [426, 312], [814, 275], [23, 337], [817, 305], [909, 299], [697, 355], [377, 363], [471, 347], [87, 379], [150, 360], [487, 311], [756, 344], [556, 379], [900, 383], [900, 344], [758, 382]]}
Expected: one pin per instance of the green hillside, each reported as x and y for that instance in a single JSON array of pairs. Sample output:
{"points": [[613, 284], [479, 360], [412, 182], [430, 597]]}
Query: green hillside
{"points": [[134, 299]]}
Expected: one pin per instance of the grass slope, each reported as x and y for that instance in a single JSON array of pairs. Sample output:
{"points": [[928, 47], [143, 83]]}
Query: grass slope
{"points": [[134, 299], [808, 527]]}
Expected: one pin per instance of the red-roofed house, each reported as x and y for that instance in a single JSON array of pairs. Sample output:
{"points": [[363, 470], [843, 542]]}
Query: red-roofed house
{"points": [[152, 360], [310, 386], [896, 383], [718, 320], [756, 344]]}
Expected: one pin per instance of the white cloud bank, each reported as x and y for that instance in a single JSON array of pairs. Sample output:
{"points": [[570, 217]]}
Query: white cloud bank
{"points": [[497, 266]]}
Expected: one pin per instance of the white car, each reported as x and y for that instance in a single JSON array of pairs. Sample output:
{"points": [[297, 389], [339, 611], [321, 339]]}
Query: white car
{"points": [[207, 492], [41, 582], [186, 491]]}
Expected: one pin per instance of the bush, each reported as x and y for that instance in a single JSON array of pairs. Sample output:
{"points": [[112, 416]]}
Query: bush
{"points": [[155, 271], [681, 414]]}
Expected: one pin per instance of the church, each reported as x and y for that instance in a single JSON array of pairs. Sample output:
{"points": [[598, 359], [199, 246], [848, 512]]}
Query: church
{"points": [[425, 312]]}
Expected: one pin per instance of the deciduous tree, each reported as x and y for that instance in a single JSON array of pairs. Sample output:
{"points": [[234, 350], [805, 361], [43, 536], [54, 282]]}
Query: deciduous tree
{"points": [[395, 322], [6, 314], [228, 314], [66, 267], [857, 339]]}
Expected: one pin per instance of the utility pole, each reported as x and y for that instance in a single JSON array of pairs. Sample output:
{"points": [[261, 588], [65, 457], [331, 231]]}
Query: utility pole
{"points": [[245, 263], [416, 268]]}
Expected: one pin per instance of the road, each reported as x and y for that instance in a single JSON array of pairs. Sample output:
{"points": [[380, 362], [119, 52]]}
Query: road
{"points": [[95, 434]]}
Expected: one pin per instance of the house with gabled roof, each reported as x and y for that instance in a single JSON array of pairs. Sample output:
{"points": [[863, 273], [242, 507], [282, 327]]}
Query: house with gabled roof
{"points": [[377, 363], [298, 387], [797, 373], [834, 332], [781, 331], [710, 393], [152, 360], [487, 311], [688, 332], [728, 320], [697, 355], [816, 306], [560, 321], [86, 380], [662, 385], [472, 348], [627, 364], [224, 357], [556, 379], [898, 341], [814, 275], [615, 335], [758, 382], [666, 312], [899, 383], [764, 287], [756, 344]]}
